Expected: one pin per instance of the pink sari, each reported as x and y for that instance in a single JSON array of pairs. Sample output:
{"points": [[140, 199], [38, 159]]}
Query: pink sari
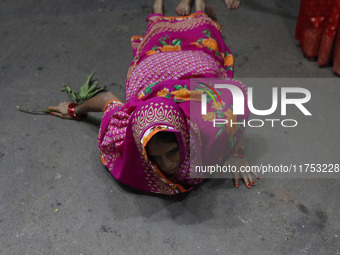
{"points": [[177, 48], [159, 96]]}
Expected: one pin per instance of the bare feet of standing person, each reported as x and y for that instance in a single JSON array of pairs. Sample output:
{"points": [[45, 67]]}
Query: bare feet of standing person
{"points": [[183, 8], [232, 4], [202, 5], [158, 7]]}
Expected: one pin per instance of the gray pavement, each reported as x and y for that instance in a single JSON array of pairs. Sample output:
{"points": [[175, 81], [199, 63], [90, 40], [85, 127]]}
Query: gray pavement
{"points": [[57, 198]]}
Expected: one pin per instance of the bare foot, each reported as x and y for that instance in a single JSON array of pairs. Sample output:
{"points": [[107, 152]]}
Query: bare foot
{"points": [[202, 5], [158, 7], [232, 4], [183, 8]]}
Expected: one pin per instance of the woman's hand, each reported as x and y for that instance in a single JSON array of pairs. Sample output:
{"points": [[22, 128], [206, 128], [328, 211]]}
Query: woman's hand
{"points": [[60, 110], [238, 159], [94, 104], [241, 162], [246, 176]]}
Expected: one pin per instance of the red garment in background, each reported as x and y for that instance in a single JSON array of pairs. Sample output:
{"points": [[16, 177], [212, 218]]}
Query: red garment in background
{"points": [[318, 31]]}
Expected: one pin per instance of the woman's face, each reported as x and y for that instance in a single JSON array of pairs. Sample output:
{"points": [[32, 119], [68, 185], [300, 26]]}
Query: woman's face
{"points": [[165, 155]]}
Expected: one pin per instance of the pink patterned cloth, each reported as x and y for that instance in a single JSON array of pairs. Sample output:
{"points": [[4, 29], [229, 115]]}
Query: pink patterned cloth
{"points": [[159, 96], [178, 48]]}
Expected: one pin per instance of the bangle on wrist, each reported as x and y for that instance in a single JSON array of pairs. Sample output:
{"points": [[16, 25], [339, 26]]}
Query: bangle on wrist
{"points": [[238, 152], [71, 111]]}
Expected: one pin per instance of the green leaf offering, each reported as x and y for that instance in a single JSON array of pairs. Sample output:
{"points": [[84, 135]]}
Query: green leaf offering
{"points": [[88, 90]]}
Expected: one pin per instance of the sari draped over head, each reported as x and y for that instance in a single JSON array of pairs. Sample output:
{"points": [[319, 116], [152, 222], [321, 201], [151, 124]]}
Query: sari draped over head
{"points": [[159, 98], [318, 31]]}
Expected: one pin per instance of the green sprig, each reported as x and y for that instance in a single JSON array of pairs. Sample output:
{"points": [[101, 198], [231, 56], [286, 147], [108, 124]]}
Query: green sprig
{"points": [[87, 90]]}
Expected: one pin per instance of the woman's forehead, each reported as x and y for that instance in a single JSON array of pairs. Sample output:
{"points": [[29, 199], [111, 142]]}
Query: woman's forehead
{"points": [[155, 147]]}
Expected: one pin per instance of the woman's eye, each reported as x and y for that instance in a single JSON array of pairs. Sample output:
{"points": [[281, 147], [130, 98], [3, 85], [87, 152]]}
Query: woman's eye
{"points": [[173, 151]]}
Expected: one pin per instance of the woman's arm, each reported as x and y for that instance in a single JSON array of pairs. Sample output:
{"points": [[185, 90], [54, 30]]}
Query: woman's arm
{"points": [[94, 104]]}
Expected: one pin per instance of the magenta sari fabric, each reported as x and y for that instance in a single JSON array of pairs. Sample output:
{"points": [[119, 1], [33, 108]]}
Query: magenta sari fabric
{"points": [[178, 48], [126, 159], [158, 98]]}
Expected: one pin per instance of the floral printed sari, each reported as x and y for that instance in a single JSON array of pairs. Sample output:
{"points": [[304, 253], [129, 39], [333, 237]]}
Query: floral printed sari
{"points": [[159, 97]]}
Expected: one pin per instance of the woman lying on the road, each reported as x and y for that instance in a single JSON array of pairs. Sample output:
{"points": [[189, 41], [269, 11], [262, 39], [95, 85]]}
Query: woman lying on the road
{"points": [[145, 143]]}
